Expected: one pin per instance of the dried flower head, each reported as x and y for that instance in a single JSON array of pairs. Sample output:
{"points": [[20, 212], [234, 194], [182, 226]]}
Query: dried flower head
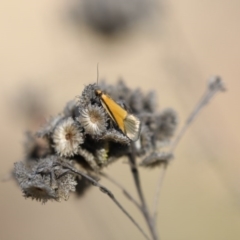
{"points": [[93, 120], [167, 123], [39, 189], [88, 96], [215, 83], [46, 180], [67, 137], [150, 102], [156, 159]]}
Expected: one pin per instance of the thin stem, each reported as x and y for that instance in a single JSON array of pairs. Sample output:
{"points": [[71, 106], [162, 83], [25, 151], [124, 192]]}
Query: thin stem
{"points": [[158, 190], [137, 182], [215, 85], [110, 195], [125, 192]]}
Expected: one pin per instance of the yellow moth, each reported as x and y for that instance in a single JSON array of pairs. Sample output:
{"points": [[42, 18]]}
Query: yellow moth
{"points": [[127, 123]]}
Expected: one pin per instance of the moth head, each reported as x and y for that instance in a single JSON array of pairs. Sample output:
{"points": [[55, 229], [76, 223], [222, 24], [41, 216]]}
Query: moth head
{"points": [[98, 92]]}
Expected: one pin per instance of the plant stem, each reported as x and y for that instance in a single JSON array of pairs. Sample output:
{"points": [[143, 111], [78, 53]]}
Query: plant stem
{"points": [[125, 192], [215, 84], [144, 208], [158, 191]]}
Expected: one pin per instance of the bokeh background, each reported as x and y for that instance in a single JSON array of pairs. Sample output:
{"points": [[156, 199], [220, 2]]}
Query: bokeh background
{"points": [[48, 53]]}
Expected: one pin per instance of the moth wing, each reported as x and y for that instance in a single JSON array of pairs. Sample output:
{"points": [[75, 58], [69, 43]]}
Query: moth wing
{"points": [[115, 111], [132, 126]]}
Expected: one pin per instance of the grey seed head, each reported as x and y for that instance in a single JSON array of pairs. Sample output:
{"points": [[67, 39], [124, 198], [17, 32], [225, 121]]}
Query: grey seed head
{"points": [[67, 137], [93, 119], [156, 159]]}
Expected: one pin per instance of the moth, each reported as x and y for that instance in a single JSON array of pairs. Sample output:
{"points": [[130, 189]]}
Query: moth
{"points": [[127, 123]]}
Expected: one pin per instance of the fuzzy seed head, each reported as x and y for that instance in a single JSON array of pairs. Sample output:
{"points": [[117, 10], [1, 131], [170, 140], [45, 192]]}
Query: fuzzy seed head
{"points": [[67, 137], [93, 120]]}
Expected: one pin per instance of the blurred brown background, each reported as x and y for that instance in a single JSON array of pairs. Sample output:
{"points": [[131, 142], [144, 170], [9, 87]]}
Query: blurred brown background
{"points": [[173, 52]]}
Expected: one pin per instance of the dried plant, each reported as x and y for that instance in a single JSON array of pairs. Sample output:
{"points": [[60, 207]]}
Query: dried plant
{"points": [[70, 152]]}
